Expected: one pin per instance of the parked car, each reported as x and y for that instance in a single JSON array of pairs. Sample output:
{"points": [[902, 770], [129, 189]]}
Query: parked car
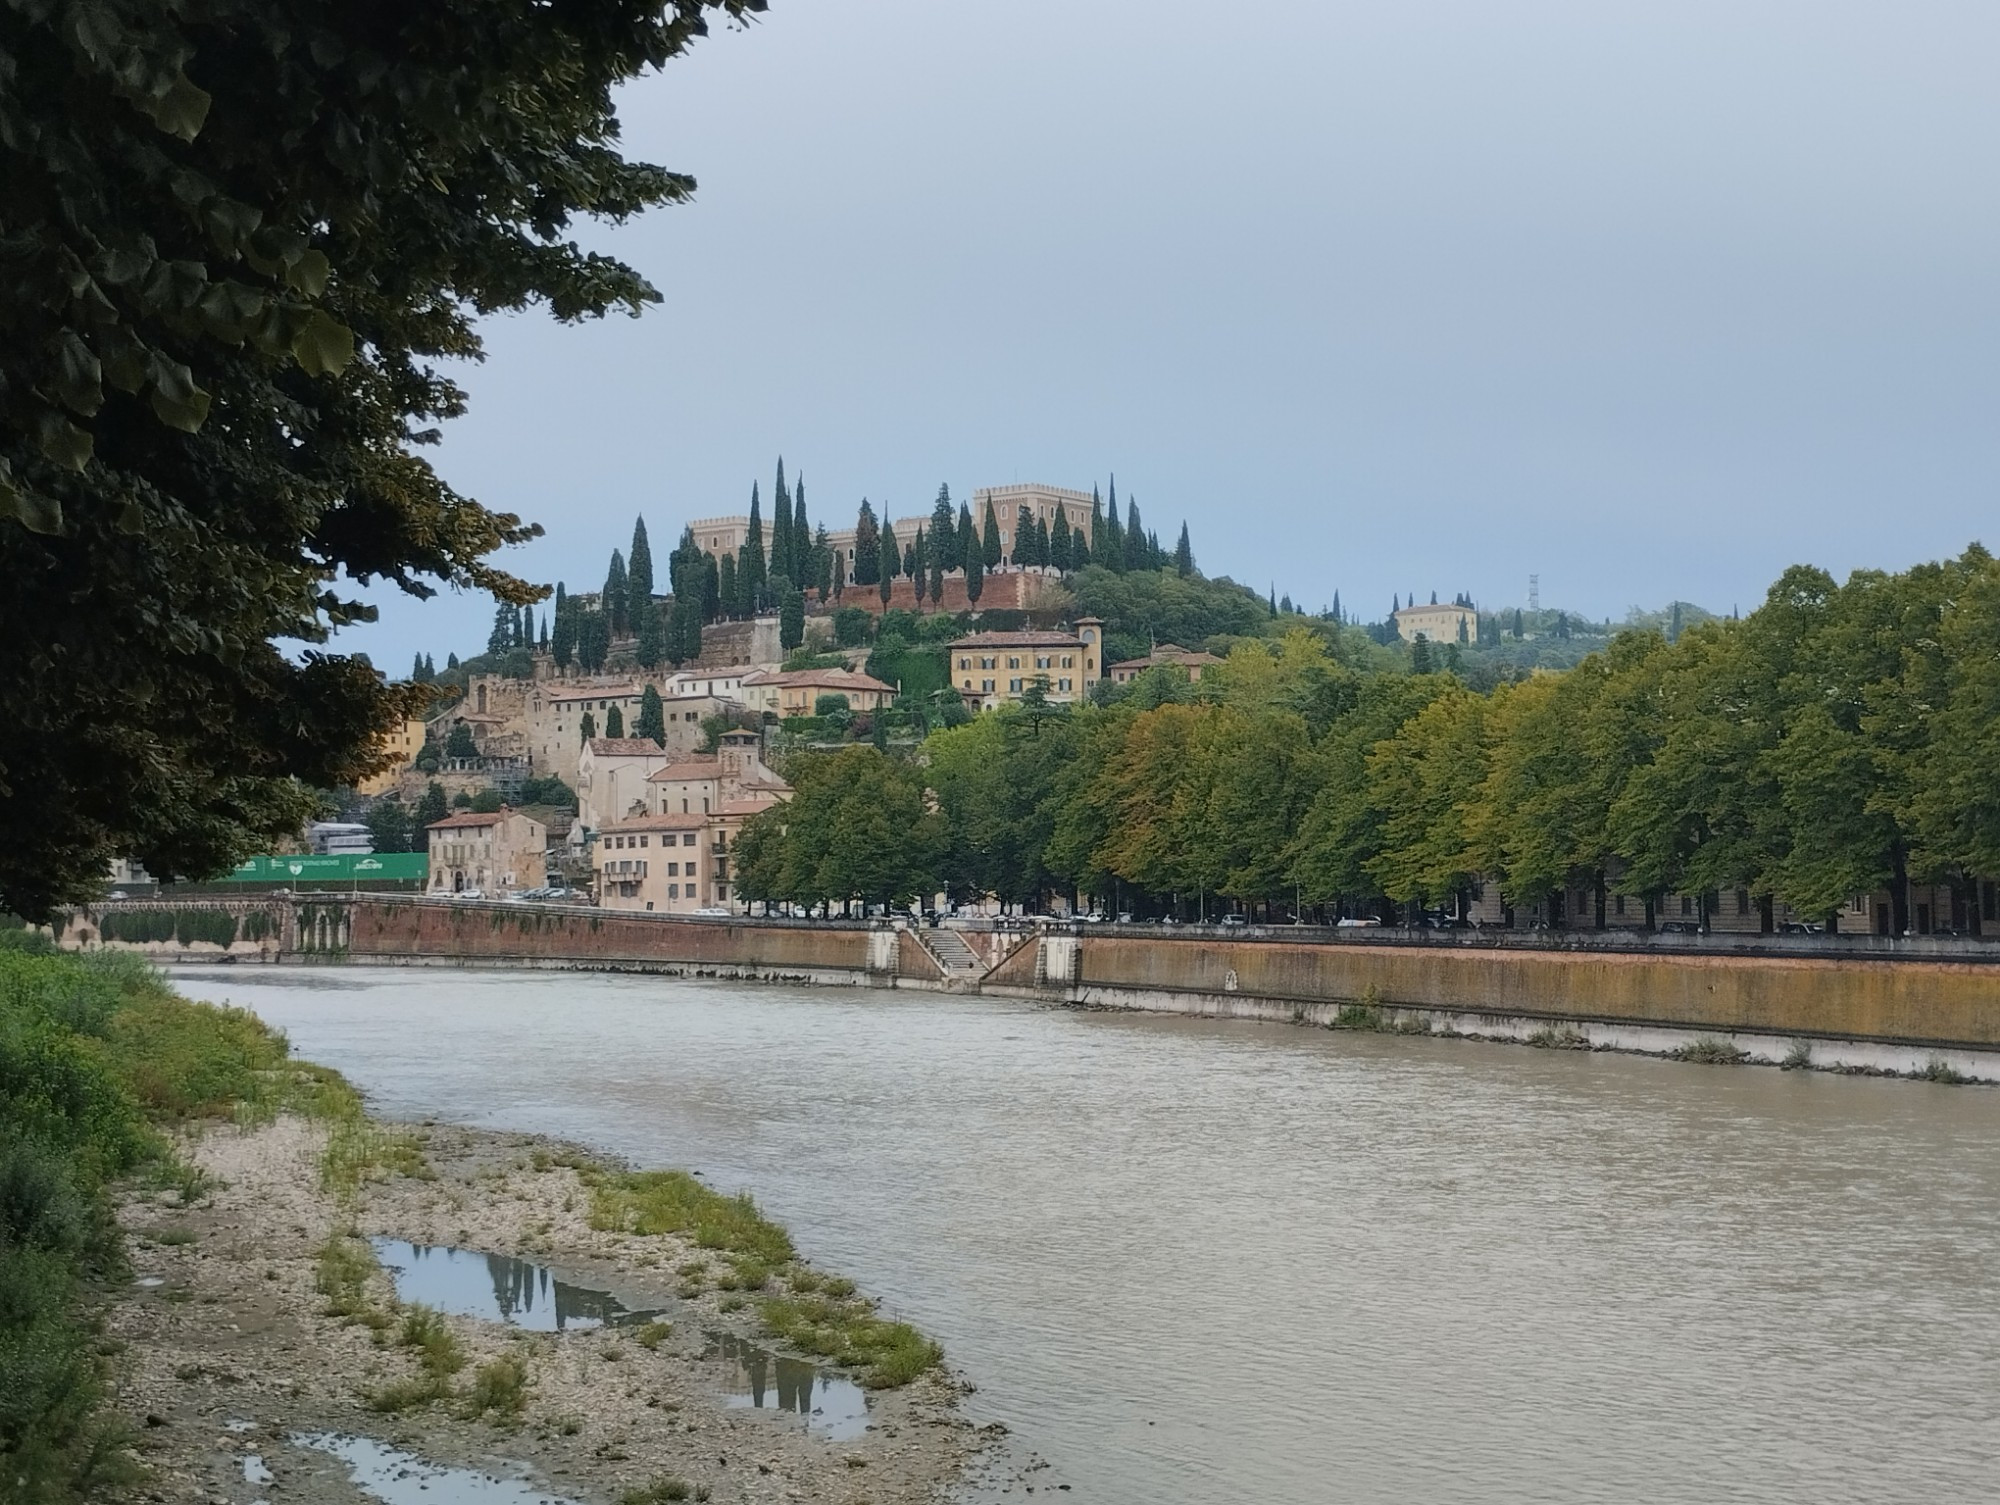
{"points": [[1125, 917], [1358, 922], [1234, 921], [1680, 927], [711, 911]]}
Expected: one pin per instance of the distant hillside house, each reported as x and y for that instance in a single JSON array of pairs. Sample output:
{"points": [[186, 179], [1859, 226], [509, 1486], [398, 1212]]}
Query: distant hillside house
{"points": [[1191, 660], [796, 692], [996, 668], [1437, 624], [673, 856]]}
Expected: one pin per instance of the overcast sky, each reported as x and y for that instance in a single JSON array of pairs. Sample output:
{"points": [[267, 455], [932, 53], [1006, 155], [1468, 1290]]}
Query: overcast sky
{"points": [[1650, 299]]}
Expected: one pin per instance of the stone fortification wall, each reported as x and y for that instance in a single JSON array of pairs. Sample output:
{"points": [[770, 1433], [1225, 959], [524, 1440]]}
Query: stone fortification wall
{"points": [[1916, 1002], [555, 936]]}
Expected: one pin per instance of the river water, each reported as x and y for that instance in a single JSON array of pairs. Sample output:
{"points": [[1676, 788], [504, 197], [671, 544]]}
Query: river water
{"points": [[1204, 1262]]}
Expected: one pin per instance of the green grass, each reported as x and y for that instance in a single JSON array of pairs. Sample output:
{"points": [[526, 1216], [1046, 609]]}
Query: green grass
{"points": [[1361, 1016], [341, 1275], [652, 1334], [1938, 1069], [849, 1331], [499, 1389], [1559, 1037], [653, 1202]]}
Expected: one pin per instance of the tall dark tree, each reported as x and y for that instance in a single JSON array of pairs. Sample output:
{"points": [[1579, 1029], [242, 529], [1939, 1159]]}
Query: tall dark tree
{"points": [[1060, 547], [1042, 539], [1338, 620], [781, 528], [417, 672], [651, 647], [652, 720], [945, 545], [803, 559], [1136, 557], [612, 602], [750, 568], [562, 641], [889, 550], [920, 565], [586, 730], [1108, 547], [1024, 535], [822, 555], [639, 564], [500, 637], [989, 542], [792, 619], [241, 243], [727, 585], [867, 546], [974, 562], [431, 807], [1184, 556], [614, 722]]}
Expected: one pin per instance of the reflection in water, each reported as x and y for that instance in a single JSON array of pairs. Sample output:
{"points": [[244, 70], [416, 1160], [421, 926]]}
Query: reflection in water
{"points": [[398, 1478], [832, 1406], [498, 1288]]}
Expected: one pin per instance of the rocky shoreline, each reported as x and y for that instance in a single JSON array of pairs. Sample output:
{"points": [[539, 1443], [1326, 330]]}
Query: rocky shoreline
{"points": [[258, 1318]]}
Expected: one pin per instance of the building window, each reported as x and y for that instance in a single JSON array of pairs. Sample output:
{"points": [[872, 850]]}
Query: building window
{"points": [[1067, 661], [673, 890], [963, 663], [986, 686], [673, 870], [1013, 687], [644, 839], [1063, 684], [1013, 663], [688, 839]]}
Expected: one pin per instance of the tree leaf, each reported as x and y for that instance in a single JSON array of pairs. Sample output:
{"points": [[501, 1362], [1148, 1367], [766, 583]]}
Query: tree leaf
{"points": [[308, 274], [325, 346], [79, 380], [182, 110], [32, 510], [62, 441]]}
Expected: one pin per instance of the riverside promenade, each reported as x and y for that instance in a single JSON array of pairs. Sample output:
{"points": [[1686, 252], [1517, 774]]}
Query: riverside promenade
{"points": [[1927, 1005]]}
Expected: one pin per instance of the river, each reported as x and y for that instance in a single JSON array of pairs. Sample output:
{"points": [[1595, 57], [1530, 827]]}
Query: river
{"points": [[1189, 1261]]}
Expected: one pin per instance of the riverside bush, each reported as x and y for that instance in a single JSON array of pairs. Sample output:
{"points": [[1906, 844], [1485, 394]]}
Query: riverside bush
{"points": [[96, 1052]]}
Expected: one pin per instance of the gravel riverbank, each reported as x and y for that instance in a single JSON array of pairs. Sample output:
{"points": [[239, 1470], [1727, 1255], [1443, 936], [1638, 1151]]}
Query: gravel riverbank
{"points": [[232, 1353]]}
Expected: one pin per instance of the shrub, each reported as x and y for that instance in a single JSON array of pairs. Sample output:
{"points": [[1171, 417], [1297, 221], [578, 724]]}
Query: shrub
{"points": [[675, 1202], [499, 1387]]}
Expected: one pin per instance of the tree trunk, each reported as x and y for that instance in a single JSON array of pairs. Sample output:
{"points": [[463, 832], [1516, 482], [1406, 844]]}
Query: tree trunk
{"points": [[1767, 916], [1899, 889]]}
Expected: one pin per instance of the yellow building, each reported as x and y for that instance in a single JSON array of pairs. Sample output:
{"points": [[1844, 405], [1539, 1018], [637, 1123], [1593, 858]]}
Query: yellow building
{"points": [[1191, 661], [1437, 624], [403, 745], [796, 692], [996, 668]]}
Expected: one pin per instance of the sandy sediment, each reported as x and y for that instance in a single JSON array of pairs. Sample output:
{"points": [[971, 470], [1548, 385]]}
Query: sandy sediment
{"points": [[226, 1350]]}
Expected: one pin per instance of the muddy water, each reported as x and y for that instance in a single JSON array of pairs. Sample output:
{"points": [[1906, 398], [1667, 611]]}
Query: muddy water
{"points": [[1215, 1263]]}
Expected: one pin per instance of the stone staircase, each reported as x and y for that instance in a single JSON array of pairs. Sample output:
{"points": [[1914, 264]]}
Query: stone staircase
{"points": [[960, 962]]}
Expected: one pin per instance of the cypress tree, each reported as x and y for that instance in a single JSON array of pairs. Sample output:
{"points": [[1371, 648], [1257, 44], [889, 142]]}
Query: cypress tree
{"points": [[417, 671], [792, 619], [1338, 620], [1060, 548], [1042, 540], [867, 546], [709, 582], [450, 661], [939, 547], [804, 561], [1024, 535], [1108, 547], [524, 632], [822, 553], [974, 561], [744, 602], [891, 551], [944, 542], [588, 729], [920, 565], [1517, 624], [1135, 537], [1184, 555], [639, 567], [500, 639], [652, 639], [750, 570], [1285, 606], [432, 807], [781, 527], [989, 546], [1420, 656], [726, 586], [1274, 598], [652, 717], [613, 603], [964, 531]]}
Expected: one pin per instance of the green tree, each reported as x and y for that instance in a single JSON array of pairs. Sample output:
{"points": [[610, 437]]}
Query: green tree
{"points": [[652, 720], [501, 636], [431, 808], [487, 802], [945, 546], [727, 585], [562, 641], [867, 546], [750, 569], [612, 602], [614, 722], [389, 825], [792, 619], [891, 551], [804, 561], [920, 566], [1107, 544], [460, 743], [974, 564], [781, 529], [1421, 661], [989, 544], [1184, 558], [587, 729], [1061, 550]]}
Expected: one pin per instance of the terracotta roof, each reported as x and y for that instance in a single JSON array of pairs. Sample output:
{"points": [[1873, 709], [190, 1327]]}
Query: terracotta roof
{"points": [[747, 807], [1169, 653], [626, 747], [819, 679], [655, 823], [470, 818], [700, 766], [1019, 640]]}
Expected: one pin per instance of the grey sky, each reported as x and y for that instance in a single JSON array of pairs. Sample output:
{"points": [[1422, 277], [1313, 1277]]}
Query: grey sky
{"points": [[1651, 299]]}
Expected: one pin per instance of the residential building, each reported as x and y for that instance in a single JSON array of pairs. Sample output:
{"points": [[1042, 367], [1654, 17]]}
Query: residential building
{"points": [[996, 668], [720, 684], [796, 692], [555, 720], [494, 853], [611, 776], [1438, 624], [674, 856], [1191, 661]]}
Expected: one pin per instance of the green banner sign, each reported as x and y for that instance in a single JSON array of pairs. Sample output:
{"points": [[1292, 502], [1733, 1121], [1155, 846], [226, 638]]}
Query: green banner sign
{"points": [[346, 868]]}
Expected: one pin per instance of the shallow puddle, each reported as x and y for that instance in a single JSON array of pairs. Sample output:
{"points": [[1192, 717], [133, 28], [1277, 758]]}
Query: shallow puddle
{"points": [[833, 1407], [398, 1478], [498, 1288]]}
